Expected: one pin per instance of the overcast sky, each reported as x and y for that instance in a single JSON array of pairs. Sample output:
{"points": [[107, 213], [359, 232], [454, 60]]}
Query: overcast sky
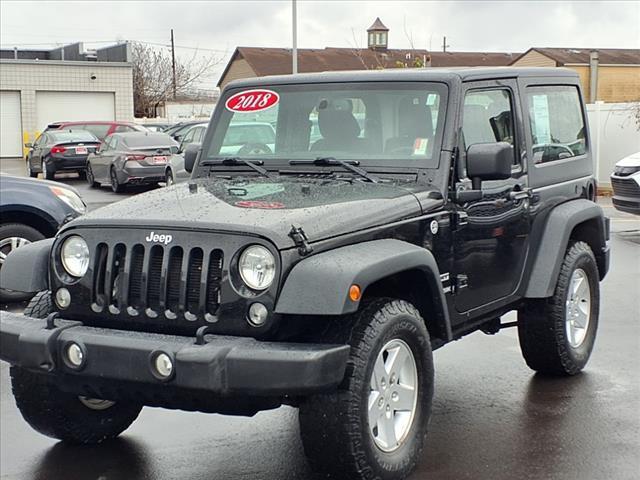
{"points": [[220, 26]]}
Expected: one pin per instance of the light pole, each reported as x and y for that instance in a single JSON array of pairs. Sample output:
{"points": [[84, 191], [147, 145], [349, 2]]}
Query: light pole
{"points": [[294, 50]]}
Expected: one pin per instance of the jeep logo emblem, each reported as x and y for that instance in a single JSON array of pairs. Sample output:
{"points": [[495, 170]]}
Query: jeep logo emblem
{"points": [[158, 238]]}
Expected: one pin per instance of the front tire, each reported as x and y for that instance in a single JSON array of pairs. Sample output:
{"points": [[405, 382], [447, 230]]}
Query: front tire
{"points": [[62, 415], [30, 171], [557, 334], [374, 426]]}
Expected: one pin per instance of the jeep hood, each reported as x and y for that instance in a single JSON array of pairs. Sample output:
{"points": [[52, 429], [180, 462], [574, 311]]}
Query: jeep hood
{"points": [[268, 208]]}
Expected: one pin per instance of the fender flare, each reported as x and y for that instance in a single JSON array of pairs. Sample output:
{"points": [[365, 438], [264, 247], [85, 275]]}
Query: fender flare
{"points": [[319, 285], [26, 269], [558, 227]]}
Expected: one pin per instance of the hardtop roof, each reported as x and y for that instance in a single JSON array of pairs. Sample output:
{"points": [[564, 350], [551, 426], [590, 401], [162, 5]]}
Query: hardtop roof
{"points": [[432, 74]]}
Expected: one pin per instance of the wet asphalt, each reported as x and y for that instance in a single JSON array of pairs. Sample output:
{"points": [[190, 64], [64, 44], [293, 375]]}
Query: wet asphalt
{"points": [[492, 417]]}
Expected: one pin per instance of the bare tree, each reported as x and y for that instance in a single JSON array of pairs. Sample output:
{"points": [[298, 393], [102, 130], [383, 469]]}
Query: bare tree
{"points": [[153, 77]]}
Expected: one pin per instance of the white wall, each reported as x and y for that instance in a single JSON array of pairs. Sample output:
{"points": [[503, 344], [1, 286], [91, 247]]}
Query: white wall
{"points": [[177, 112], [30, 77], [614, 135]]}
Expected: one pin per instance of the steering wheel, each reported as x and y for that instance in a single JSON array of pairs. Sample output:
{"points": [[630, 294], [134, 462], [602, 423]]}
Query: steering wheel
{"points": [[254, 149]]}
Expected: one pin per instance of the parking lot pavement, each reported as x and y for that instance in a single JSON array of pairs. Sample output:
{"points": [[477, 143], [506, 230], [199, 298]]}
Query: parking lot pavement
{"points": [[93, 197], [492, 418]]}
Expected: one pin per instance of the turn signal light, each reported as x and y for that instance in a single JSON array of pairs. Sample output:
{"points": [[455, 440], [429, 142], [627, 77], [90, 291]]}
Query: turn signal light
{"points": [[355, 293]]}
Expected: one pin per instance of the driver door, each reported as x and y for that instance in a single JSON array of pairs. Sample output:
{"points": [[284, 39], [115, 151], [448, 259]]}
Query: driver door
{"points": [[492, 236]]}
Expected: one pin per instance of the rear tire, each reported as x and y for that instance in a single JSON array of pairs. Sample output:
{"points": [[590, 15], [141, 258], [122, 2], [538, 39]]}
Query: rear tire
{"points": [[12, 236], [91, 179], [47, 172], [168, 179], [63, 415], [363, 430], [115, 183], [557, 334]]}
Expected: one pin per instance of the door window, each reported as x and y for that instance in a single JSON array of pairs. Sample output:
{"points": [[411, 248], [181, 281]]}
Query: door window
{"points": [[556, 122], [189, 137], [124, 128], [108, 144], [488, 117]]}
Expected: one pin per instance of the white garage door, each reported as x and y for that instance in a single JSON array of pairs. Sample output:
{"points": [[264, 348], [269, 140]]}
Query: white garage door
{"points": [[73, 106], [10, 124]]}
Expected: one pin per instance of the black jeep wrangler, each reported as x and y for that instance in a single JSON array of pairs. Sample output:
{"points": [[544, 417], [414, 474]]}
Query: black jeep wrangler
{"points": [[317, 261]]}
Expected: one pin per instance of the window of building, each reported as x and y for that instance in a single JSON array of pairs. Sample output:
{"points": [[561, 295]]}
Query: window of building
{"points": [[556, 121]]}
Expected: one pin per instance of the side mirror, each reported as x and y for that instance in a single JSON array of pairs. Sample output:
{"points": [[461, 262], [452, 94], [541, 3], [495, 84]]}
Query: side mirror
{"points": [[28, 145], [489, 161], [190, 156]]}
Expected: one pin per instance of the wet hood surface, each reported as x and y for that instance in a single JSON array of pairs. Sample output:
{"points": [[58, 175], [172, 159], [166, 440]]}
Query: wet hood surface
{"points": [[268, 207]]}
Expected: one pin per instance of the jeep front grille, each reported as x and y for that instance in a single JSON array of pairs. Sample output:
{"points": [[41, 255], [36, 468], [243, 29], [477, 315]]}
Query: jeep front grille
{"points": [[166, 281]]}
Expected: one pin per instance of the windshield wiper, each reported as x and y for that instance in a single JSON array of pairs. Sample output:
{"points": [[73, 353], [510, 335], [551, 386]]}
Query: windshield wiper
{"points": [[350, 165], [235, 161]]}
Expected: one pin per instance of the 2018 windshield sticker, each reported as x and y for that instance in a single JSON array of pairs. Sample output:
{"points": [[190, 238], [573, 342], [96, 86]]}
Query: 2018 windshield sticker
{"points": [[260, 204], [252, 101]]}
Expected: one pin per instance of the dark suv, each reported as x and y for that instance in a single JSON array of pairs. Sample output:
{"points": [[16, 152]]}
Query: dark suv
{"points": [[322, 272]]}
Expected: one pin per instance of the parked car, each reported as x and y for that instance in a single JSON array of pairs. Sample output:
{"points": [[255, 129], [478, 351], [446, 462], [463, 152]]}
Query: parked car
{"points": [[100, 129], [60, 151], [31, 210], [157, 127], [178, 130], [130, 159], [625, 181], [175, 172], [323, 275]]}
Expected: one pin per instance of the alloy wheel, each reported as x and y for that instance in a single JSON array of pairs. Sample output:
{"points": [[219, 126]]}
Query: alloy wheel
{"points": [[578, 308], [393, 396], [7, 245]]}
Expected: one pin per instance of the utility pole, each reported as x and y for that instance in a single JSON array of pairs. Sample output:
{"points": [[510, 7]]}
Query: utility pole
{"points": [[173, 64], [444, 44], [294, 50]]}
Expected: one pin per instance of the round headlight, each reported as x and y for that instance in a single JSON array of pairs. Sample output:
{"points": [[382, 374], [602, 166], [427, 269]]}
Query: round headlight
{"points": [[75, 256], [257, 267]]}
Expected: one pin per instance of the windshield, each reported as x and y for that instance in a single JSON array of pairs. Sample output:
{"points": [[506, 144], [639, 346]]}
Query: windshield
{"points": [[146, 140], [388, 123], [73, 136]]}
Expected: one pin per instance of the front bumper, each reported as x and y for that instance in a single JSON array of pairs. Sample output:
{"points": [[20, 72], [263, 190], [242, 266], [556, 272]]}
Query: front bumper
{"points": [[626, 193], [223, 365]]}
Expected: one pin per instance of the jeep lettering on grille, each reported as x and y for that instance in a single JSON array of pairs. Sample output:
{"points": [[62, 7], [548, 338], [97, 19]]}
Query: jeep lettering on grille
{"points": [[159, 238]]}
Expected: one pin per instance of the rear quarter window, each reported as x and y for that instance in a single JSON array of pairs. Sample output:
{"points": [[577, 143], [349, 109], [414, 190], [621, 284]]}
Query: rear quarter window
{"points": [[557, 123]]}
